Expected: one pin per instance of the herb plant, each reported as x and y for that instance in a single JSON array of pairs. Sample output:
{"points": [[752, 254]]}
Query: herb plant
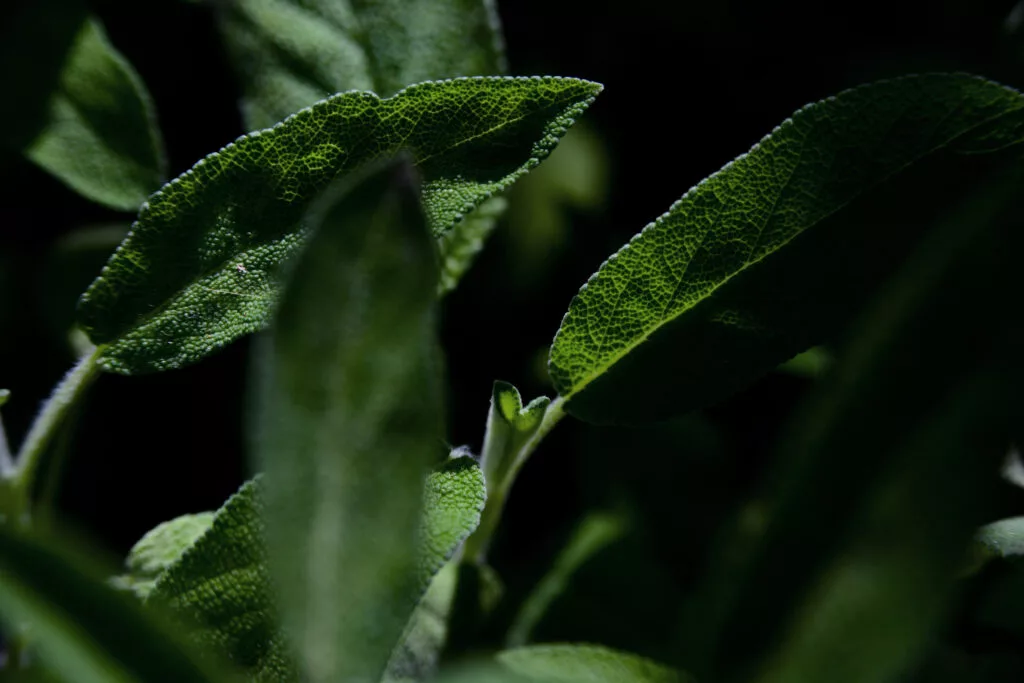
{"points": [[385, 140]]}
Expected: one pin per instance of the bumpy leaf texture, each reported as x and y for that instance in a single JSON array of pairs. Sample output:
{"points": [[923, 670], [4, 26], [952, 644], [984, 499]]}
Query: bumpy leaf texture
{"points": [[776, 251], [219, 584], [201, 265], [292, 53], [160, 549], [77, 108]]}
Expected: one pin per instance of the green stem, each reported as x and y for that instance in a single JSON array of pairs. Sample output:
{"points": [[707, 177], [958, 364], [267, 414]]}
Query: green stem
{"points": [[48, 422], [475, 547]]}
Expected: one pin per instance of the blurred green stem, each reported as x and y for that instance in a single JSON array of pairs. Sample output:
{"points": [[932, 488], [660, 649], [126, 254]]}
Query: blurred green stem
{"points": [[46, 426]]}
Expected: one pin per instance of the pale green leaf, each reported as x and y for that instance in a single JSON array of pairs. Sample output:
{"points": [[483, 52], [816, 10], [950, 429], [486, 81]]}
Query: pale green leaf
{"points": [[83, 630], [1004, 538], [200, 267], [590, 663], [292, 53], [5, 394], [160, 548], [94, 124], [776, 251], [347, 424], [889, 469]]}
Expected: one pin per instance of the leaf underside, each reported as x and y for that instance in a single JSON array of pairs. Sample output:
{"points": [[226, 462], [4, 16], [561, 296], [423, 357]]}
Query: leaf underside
{"points": [[731, 281], [201, 265]]}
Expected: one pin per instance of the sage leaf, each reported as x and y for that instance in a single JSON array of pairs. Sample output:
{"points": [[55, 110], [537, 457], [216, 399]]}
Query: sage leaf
{"points": [[83, 630], [596, 532], [98, 133], [159, 549], [219, 588], [775, 252], [200, 266], [347, 425], [229, 562], [573, 663], [292, 53], [889, 469]]}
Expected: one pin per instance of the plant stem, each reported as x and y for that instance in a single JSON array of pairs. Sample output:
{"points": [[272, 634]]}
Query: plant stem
{"points": [[48, 422], [475, 547]]}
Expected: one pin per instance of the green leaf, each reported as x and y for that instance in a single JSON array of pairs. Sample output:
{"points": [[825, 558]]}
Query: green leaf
{"points": [[220, 588], [575, 663], [229, 562], [5, 394], [85, 631], [348, 423], [733, 280], [200, 267], [292, 53], [98, 131], [159, 549], [595, 532], [889, 470]]}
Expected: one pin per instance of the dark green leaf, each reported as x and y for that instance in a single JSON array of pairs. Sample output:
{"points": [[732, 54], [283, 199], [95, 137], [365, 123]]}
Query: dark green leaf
{"points": [[461, 244], [200, 267], [733, 280], [87, 117], [889, 471], [576, 663], [292, 53], [348, 423], [85, 631]]}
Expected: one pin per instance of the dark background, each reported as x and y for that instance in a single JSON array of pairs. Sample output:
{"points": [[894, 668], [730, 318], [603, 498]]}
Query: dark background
{"points": [[688, 86]]}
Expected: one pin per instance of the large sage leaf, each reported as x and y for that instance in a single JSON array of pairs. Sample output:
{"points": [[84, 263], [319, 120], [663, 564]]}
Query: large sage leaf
{"points": [[85, 631], [219, 584], [78, 109], [292, 53], [888, 471], [775, 252], [573, 663], [200, 267], [348, 423]]}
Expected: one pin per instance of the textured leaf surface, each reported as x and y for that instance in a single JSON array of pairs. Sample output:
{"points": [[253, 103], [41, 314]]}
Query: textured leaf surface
{"points": [[292, 53], [85, 631], [852, 577], [349, 422], [706, 297], [200, 267], [220, 589], [159, 549], [576, 663], [98, 133]]}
